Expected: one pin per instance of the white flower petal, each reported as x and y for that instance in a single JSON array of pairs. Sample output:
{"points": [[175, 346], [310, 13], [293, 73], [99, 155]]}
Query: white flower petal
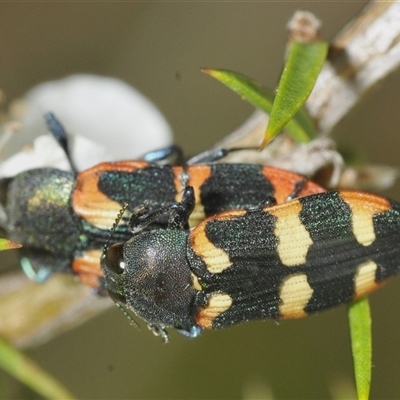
{"points": [[112, 114], [46, 152]]}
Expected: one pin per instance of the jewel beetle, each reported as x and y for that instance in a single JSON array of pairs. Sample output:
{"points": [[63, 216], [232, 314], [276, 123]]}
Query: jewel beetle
{"points": [[62, 218], [278, 261]]}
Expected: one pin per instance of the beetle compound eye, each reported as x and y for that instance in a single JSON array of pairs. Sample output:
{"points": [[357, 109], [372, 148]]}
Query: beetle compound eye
{"points": [[114, 259]]}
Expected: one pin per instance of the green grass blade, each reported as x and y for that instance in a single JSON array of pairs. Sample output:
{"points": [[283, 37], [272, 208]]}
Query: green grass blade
{"points": [[302, 66], [6, 244], [361, 343], [301, 128], [245, 87], [28, 372]]}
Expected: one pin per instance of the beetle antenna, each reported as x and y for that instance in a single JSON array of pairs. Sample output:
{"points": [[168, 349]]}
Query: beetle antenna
{"points": [[113, 228], [120, 302], [127, 316]]}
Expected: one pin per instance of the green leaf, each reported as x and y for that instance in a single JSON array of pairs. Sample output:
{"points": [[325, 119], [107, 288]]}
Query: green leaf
{"points": [[302, 66], [28, 372], [301, 128], [6, 244], [245, 87], [361, 343]]}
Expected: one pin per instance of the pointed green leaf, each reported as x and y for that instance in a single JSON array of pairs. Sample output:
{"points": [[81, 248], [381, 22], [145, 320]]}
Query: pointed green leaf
{"points": [[302, 66], [6, 244], [245, 87], [28, 372], [361, 343], [301, 128]]}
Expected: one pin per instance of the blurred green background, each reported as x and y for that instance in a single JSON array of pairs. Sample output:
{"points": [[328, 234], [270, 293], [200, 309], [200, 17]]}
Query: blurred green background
{"points": [[159, 49]]}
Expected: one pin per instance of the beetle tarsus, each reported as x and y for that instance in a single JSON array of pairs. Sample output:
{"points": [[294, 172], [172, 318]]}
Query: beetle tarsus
{"points": [[59, 134]]}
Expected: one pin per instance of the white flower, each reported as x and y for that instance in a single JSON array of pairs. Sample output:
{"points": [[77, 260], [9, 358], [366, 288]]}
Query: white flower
{"points": [[106, 119]]}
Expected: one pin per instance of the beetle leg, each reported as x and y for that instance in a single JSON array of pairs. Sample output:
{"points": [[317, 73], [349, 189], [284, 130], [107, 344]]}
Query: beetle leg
{"points": [[213, 155], [298, 187], [179, 213], [192, 332], [169, 155], [269, 201], [59, 134]]}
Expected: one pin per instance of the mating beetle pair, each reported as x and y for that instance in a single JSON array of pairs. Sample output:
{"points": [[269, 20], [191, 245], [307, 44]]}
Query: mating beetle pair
{"points": [[255, 256]]}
